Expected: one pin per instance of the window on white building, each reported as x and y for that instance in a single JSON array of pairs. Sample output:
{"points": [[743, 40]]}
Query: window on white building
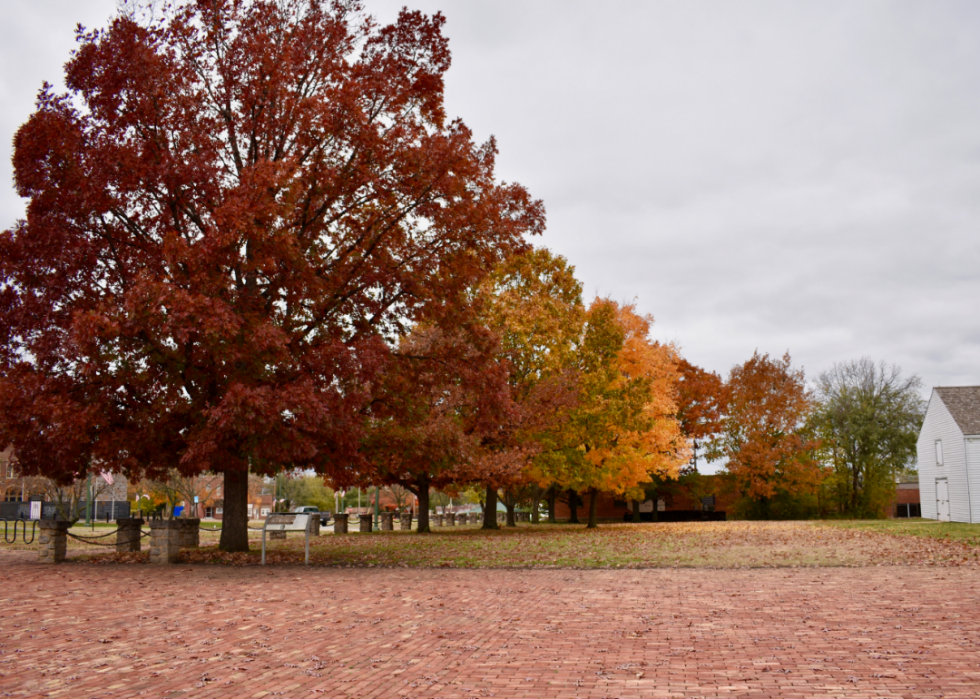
{"points": [[939, 452]]}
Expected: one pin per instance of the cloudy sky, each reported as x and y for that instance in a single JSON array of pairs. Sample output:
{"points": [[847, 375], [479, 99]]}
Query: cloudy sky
{"points": [[777, 176]]}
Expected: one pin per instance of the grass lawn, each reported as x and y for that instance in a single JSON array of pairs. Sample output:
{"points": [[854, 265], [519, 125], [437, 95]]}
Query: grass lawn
{"points": [[612, 545], [954, 531], [666, 545]]}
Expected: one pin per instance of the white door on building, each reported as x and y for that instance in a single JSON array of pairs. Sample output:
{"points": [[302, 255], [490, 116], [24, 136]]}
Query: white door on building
{"points": [[942, 499], [972, 468]]}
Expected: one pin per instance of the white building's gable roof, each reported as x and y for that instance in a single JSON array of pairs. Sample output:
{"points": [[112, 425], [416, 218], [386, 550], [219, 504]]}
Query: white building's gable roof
{"points": [[963, 403]]}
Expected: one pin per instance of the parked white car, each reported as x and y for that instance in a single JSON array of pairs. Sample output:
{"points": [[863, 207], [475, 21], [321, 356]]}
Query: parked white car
{"points": [[310, 509]]}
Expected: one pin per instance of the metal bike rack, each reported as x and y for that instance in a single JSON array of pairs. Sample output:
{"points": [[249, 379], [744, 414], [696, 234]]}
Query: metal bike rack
{"points": [[23, 530]]}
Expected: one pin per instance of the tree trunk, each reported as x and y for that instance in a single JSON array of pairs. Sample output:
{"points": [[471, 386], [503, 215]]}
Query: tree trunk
{"points": [[656, 507], [422, 516], [593, 501], [573, 506], [636, 510], [552, 499], [511, 506], [234, 518], [854, 490], [490, 509], [536, 493]]}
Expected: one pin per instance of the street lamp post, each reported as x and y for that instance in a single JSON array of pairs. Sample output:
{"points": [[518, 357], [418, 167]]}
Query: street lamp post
{"points": [[88, 504]]}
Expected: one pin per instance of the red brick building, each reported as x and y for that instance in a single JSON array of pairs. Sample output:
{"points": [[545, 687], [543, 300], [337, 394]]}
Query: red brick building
{"points": [[674, 501], [906, 502]]}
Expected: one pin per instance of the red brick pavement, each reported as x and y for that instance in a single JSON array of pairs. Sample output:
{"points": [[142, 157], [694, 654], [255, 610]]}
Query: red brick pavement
{"points": [[82, 631]]}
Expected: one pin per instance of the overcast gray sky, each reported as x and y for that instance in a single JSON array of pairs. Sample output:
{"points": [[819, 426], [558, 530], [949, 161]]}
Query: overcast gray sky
{"points": [[799, 176]]}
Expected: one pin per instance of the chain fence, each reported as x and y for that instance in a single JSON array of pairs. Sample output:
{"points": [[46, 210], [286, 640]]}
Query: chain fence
{"points": [[90, 539]]}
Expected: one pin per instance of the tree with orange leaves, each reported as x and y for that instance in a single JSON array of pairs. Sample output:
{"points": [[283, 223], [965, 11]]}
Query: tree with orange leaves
{"points": [[765, 442], [625, 430], [701, 402]]}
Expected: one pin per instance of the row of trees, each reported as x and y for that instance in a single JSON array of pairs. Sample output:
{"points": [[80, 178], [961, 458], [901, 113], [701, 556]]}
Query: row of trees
{"points": [[255, 241], [792, 451]]}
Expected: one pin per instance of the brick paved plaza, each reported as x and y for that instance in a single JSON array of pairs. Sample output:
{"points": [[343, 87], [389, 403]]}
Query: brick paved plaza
{"points": [[80, 630]]}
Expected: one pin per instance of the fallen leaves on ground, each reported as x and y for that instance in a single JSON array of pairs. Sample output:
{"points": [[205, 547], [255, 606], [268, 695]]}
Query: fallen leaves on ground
{"points": [[667, 545]]}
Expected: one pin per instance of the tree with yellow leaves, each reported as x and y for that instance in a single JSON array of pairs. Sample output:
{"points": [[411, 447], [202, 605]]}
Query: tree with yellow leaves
{"points": [[624, 431], [533, 302]]}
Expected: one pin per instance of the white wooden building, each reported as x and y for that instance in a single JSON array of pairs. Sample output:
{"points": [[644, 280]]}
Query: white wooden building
{"points": [[949, 455]]}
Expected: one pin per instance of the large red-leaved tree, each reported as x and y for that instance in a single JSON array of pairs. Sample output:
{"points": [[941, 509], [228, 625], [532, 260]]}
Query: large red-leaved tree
{"points": [[233, 214]]}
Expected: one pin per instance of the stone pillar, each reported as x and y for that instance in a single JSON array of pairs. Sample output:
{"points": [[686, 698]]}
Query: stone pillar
{"points": [[440, 520], [501, 518], [54, 540], [315, 525], [190, 532], [365, 523], [128, 535], [406, 521], [451, 519], [387, 521], [340, 523], [164, 541]]}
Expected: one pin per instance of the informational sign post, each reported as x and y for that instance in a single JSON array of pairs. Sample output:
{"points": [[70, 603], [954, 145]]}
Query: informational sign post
{"points": [[288, 522]]}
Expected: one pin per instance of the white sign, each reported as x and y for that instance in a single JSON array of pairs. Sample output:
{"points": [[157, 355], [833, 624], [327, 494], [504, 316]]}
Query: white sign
{"points": [[35, 510]]}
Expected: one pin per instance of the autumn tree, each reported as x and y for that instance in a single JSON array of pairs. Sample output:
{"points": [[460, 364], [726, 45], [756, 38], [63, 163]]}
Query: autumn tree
{"points": [[401, 497], [233, 214], [765, 442], [701, 403], [533, 303], [868, 419], [176, 487], [624, 430], [443, 395]]}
